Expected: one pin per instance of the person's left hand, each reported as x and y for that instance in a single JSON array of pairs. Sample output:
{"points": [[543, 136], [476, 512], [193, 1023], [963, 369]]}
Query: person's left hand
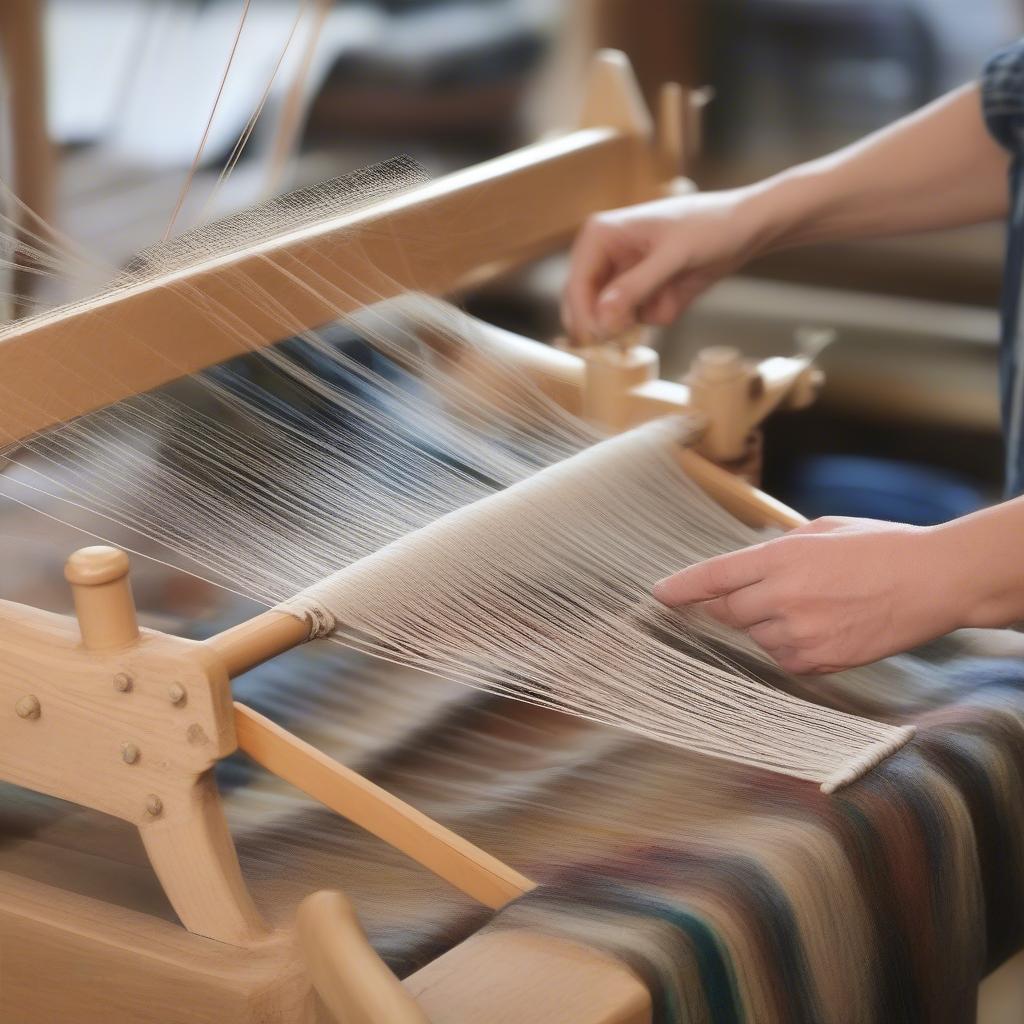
{"points": [[832, 594]]}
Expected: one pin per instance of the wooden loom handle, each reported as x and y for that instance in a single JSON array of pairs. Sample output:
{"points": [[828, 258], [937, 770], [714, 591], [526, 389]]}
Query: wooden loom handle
{"points": [[103, 597], [356, 986], [435, 847]]}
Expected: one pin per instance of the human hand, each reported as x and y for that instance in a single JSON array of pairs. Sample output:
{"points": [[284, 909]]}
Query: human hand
{"points": [[647, 263], [835, 593]]}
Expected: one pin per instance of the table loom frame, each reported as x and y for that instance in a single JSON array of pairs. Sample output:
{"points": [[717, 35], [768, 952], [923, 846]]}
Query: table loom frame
{"points": [[131, 721]]}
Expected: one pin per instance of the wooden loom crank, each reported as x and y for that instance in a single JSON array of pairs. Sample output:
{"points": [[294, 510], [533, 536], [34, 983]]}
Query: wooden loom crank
{"points": [[131, 722]]}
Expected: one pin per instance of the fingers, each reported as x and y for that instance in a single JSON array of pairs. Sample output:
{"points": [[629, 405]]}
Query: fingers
{"points": [[603, 250], [577, 317], [590, 269], [669, 302], [775, 638], [619, 302], [615, 269], [802, 663], [713, 578], [790, 660], [661, 309], [741, 590], [741, 608], [770, 634]]}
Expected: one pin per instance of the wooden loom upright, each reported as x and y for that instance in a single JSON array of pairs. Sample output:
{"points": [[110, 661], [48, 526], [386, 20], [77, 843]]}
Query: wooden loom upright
{"points": [[131, 722]]}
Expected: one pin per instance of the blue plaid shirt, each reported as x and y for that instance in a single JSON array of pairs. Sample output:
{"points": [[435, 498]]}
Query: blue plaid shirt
{"points": [[1002, 89]]}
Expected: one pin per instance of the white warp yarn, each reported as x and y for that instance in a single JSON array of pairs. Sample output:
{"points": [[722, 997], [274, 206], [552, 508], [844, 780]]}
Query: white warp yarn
{"points": [[541, 592]]}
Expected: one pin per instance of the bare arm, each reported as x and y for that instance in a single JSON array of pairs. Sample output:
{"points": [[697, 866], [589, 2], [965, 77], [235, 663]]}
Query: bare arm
{"points": [[936, 168]]}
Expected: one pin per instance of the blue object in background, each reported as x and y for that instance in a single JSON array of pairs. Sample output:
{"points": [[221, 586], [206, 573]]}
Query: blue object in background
{"points": [[871, 488]]}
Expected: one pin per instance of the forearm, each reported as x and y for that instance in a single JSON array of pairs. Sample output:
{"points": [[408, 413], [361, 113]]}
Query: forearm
{"points": [[936, 168], [979, 562]]}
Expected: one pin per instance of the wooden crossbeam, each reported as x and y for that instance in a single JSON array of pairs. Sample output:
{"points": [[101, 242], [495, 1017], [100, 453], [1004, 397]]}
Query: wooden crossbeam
{"points": [[438, 238], [449, 856]]}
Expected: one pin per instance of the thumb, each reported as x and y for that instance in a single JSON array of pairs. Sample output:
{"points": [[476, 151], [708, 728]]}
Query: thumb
{"points": [[618, 303]]}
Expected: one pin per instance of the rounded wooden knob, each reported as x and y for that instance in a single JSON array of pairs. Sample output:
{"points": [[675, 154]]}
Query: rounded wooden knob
{"points": [[609, 374], [96, 565], [717, 363], [103, 596]]}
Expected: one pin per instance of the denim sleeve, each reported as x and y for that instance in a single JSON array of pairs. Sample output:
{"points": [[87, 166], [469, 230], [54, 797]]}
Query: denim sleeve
{"points": [[1002, 97]]}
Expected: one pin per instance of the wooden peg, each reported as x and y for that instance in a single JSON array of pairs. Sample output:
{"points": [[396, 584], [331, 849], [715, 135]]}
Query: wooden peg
{"points": [[613, 98], [672, 126], [721, 385], [103, 597], [354, 983], [28, 706], [610, 374]]}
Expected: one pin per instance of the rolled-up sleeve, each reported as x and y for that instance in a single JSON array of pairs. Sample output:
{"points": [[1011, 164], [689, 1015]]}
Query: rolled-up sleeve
{"points": [[1002, 96]]}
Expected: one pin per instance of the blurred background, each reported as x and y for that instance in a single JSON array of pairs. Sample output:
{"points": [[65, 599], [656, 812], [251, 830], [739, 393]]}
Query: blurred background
{"points": [[108, 103]]}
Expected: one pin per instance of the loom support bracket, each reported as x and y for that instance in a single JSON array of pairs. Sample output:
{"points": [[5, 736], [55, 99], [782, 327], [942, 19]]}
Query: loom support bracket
{"points": [[129, 722]]}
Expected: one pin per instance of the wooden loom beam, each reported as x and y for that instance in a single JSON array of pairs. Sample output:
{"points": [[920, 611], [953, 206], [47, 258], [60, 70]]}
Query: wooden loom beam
{"points": [[447, 235], [440, 237]]}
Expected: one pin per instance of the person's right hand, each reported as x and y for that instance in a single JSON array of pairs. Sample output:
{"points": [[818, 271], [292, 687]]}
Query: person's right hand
{"points": [[647, 263]]}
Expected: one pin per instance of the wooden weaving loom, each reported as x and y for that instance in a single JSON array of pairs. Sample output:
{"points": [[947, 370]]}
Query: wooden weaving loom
{"points": [[131, 722]]}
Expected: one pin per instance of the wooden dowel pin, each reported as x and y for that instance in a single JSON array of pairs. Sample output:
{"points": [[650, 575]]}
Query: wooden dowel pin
{"points": [[257, 640], [611, 371], [103, 597]]}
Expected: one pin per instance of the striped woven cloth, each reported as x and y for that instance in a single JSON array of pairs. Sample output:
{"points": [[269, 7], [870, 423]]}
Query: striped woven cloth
{"points": [[887, 902]]}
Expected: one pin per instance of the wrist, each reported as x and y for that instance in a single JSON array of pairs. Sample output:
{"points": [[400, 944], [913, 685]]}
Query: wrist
{"points": [[983, 581], [779, 210]]}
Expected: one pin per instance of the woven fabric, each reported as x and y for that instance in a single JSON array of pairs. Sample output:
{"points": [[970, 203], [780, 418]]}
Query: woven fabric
{"points": [[738, 895]]}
